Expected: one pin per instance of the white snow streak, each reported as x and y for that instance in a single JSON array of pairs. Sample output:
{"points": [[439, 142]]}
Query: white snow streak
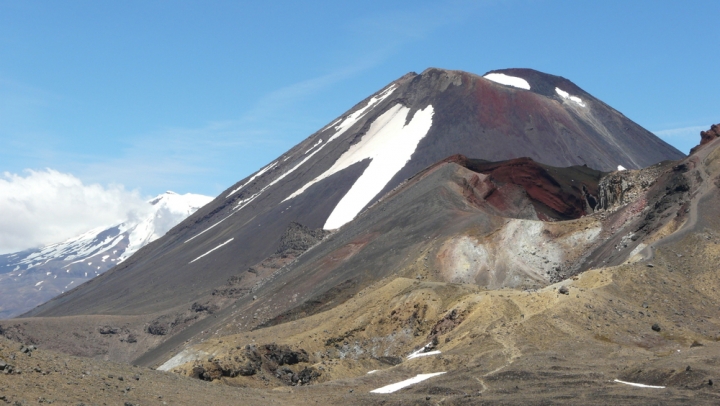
{"points": [[339, 120], [316, 144], [566, 95], [354, 117], [245, 202], [621, 168], [639, 385], [207, 229], [218, 247], [507, 80], [260, 172], [423, 352], [402, 384], [390, 144]]}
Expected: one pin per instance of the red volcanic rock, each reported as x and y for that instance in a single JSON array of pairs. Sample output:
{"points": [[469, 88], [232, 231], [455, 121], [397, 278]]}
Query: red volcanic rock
{"points": [[556, 193], [707, 136]]}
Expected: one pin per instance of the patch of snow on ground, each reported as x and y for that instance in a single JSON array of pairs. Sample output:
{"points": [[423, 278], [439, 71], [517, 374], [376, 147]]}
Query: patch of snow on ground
{"points": [[621, 168], [354, 117], [339, 120], [507, 80], [316, 144], [423, 352], [39, 283], [372, 372], [218, 247], [639, 385], [207, 229], [403, 384], [566, 95], [390, 144], [260, 172], [245, 202]]}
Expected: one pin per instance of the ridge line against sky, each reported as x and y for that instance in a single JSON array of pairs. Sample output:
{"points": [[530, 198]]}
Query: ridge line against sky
{"points": [[194, 96]]}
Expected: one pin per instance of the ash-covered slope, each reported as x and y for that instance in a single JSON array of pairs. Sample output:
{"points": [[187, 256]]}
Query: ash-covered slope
{"points": [[32, 277]]}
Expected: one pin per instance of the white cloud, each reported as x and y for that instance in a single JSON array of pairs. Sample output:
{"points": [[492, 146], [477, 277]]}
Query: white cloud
{"points": [[45, 207], [693, 131], [682, 138]]}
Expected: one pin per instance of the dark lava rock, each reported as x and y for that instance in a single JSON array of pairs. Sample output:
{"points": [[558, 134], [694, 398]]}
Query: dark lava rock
{"points": [[157, 329], [108, 330], [656, 327], [207, 307], [283, 355], [298, 238], [303, 377], [564, 290], [307, 375], [208, 373]]}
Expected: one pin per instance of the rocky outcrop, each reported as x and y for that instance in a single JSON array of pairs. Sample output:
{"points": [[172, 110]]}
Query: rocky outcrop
{"points": [[622, 187], [279, 361], [298, 239], [707, 136]]}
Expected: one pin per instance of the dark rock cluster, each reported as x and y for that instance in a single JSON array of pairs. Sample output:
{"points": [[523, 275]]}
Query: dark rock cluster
{"points": [[298, 239], [276, 360]]}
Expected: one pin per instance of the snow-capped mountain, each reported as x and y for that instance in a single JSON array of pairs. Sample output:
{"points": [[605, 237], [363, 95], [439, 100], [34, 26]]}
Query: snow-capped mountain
{"points": [[31, 277]]}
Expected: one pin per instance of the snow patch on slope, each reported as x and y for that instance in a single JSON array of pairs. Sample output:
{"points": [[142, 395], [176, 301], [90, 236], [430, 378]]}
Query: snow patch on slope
{"points": [[402, 384], [314, 146], [389, 143], [639, 385], [356, 116], [423, 352], [508, 80], [260, 172], [216, 248], [568, 96]]}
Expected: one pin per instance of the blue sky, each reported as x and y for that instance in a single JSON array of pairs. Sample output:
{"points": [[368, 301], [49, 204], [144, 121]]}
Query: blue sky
{"points": [[192, 96]]}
